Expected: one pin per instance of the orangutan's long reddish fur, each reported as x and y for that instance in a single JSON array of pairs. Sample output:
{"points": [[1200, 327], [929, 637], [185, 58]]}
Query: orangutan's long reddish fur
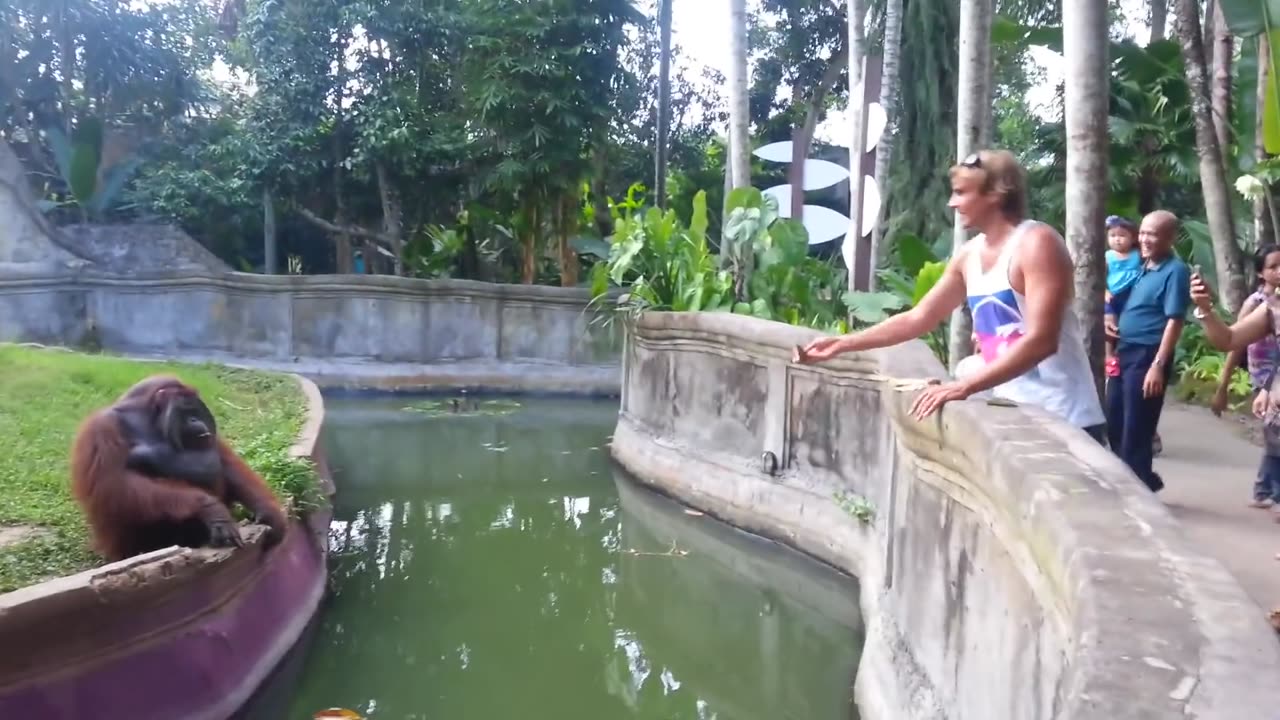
{"points": [[119, 503]]}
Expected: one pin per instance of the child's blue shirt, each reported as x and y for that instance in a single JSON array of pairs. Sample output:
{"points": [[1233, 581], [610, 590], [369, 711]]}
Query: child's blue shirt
{"points": [[1123, 272]]}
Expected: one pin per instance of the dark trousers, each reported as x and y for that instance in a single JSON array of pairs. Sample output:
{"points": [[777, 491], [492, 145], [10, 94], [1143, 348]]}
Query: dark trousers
{"points": [[1132, 418], [1267, 486]]}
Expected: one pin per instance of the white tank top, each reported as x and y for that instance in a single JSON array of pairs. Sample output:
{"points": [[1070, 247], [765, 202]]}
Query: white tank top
{"points": [[1063, 382]]}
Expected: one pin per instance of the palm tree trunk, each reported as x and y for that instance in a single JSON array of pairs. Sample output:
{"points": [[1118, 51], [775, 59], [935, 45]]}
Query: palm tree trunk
{"points": [[268, 232], [392, 216], [1159, 16], [1084, 40], [664, 103], [739, 111], [1223, 51], [566, 218], [857, 140], [888, 101], [1264, 228], [973, 95], [1213, 176], [739, 142]]}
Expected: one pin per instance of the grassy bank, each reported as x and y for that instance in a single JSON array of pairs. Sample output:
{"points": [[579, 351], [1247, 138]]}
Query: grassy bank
{"points": [[44, 395]]}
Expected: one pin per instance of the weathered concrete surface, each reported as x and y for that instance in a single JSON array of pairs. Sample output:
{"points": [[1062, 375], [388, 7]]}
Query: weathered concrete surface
{"points": [[134, 248], [27, 240], [423, 333], [176, 633], [1014, 569]]}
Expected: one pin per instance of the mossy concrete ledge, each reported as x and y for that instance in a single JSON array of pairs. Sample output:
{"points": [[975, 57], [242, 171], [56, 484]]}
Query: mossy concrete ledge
{"points": [[176, 633], [1011, 568]]}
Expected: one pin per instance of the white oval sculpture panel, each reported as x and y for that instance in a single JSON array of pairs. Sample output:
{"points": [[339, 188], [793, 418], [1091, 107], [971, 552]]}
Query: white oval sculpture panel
{"points": [[824, 224], [779, 152], [820, 174], [870, 204], [877, 121]]}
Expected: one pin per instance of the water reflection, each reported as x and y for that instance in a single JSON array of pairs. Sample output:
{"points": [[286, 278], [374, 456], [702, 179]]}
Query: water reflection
{"points": [[536, 582]]}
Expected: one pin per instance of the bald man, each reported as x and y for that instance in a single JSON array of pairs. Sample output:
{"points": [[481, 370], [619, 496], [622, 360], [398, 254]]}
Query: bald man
{"points": [[1148, 334]]}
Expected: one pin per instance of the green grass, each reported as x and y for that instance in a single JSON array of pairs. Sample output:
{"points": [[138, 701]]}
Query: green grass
{"points": [[44, 395]]}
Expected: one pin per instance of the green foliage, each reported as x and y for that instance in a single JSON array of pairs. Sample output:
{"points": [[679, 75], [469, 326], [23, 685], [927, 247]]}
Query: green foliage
{"points": [[79, 162], [433, 251], [665, 265], [917, 267], [1199, 369], [855, 505], [924, 147], [1250, 17]]}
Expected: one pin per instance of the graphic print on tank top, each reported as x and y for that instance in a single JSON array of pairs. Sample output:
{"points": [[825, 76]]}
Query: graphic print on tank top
{"points": [[998, 323]]}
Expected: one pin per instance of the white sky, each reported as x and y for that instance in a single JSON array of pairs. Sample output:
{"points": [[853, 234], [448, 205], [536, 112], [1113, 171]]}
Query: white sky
{"points": [[701, 27]]}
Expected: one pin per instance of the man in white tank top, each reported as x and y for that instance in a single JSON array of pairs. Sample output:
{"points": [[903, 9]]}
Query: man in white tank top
{"points": [[1016, 277]]}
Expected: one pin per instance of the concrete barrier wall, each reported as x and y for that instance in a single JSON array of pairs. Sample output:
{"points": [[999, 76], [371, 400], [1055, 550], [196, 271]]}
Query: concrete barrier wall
{"points": [[286, 317], [1010, 567]]}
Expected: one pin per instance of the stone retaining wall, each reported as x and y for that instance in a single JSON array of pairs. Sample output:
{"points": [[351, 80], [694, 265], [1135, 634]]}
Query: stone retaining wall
{"points": [[1010, 567], [290, 317]]}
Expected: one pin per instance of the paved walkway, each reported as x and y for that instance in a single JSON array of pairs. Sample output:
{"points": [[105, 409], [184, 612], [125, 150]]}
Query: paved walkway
{"points": [[1208, 468]]}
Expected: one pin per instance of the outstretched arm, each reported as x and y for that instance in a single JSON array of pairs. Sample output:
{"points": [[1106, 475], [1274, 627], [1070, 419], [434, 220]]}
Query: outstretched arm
{"points": [[1239, 336], [945, 296], [1235, 359]]}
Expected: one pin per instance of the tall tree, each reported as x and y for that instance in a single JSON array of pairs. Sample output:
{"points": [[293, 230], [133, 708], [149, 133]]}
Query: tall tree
{"points": [[1159, 16], [972, 133], [1264, 226], [739, 109], [664, 102], [1223, 79], [857, 141], [1213, 176], [1084, 42], [888, 101]]}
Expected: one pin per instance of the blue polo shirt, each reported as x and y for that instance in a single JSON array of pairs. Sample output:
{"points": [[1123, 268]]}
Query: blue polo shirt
{"points": [[1162, 292]]}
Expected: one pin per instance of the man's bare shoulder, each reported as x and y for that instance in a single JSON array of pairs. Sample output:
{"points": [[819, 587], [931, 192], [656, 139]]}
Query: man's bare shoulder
{"points": [[1042, 244]]}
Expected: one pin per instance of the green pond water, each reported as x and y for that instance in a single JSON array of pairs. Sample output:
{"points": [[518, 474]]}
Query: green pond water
{"points": [[490, 562]]}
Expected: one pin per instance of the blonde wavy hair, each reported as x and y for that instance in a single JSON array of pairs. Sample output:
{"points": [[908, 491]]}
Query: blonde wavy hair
{"points": [[1001, 173]]}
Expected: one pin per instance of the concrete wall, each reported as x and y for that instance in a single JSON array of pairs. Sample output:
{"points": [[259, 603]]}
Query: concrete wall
{"points": [[284, 318], [1012, 568]]}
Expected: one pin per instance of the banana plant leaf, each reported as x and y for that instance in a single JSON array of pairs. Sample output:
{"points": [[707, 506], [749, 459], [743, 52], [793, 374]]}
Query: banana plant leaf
{"points": [[1246, 17]]}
